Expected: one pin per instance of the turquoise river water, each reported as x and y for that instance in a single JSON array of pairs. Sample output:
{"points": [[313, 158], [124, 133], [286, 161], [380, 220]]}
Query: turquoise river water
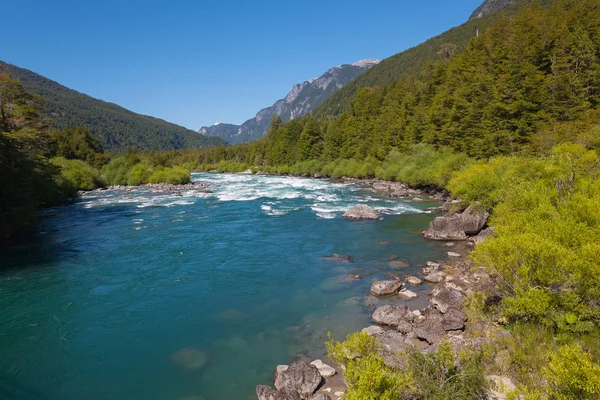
{"points": [[129, 294]]}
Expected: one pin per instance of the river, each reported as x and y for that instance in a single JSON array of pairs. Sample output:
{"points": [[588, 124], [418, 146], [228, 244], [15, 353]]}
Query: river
{"points": [[129, 294]]}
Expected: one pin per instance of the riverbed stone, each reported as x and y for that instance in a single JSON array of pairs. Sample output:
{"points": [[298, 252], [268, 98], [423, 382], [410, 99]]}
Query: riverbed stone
{"points": [[373, 330], [301, 377], [325, 370], [431, 329], [399, 264], [454, 319], [407, 294], [321, 396], [264, 392], [392, 315], [445, 298], [413, 280], [435, 277], [191, 358], [385, 288], [361, 212]]}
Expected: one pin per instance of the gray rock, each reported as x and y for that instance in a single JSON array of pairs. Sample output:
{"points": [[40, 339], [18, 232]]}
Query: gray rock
{"points": [[392, 315], [392, 341], [361, 211], [413, 280], [301, 377], [483, 235], [431, 328], [474, 219], [325, 370], [454, 319], [435, 277], [447, 227], [264, 392], [407, 294], [318, 175], [371, 301], [455, 226], [373, 330], [445, 298], [386, 288], [321, 396]]}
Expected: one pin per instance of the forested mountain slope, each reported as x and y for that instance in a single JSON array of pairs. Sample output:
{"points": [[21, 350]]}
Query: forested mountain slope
{"points": [[412, 61], [114, 126]]}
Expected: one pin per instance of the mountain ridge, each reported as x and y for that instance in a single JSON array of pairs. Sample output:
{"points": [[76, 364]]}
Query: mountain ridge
{"points": [[299, 101], [116, 127]]}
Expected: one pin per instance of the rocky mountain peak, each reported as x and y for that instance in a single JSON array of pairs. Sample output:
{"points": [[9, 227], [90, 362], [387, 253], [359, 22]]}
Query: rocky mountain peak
{"points": [[491, 7], [300, 100]]}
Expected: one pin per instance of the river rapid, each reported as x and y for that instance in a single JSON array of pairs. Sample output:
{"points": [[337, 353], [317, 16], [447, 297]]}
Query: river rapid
{"points": [[130, 294]]}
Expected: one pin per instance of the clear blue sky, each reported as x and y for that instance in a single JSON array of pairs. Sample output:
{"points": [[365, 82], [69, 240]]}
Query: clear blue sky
{"points": [[198, 62]]}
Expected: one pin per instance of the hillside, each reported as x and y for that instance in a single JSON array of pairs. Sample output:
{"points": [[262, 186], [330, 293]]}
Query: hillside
{"points": [[301, 100], [115, 127], [412, 61]]}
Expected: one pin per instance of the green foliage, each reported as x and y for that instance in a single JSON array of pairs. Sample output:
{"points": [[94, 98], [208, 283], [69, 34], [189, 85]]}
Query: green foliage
{"points": [[174, 176], [134, 170], [572, 374], [115, 127], [547, 230], [438, 374], [139, 174], [79, 144], [117, 170], [78, 175], [365, 372]]}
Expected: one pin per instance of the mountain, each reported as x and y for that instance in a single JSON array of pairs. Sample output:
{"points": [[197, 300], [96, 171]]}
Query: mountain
{"points": [[492, 6], [115, 127], [301, 100], [409, 63]]}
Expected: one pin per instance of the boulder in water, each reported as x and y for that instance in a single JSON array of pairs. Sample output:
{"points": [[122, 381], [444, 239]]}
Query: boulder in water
{"points": [[361, 211], [386, 288], [264, 392], [392, 315]]}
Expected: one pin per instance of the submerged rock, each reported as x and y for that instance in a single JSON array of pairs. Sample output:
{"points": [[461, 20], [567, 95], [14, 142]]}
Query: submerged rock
{"points": [[399, 264], [341, 257], [361, 211], [386, 288], [190, 358]]}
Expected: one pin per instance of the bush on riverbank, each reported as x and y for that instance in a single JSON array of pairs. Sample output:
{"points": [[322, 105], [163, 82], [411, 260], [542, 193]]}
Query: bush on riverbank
{"points": [[438, 374], [77, 175], [133, 170]]}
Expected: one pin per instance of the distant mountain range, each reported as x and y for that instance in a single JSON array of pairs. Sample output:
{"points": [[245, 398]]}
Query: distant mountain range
{"points": [[115, 127], [301, 100]]}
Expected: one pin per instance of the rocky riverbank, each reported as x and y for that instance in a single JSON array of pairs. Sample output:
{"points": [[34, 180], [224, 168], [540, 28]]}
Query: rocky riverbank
{"points": [[166, 188], [397, 328]]}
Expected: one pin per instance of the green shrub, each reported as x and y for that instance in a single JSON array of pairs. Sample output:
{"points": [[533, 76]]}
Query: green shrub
{"points": [[572, 374], [174, 176], [78, 175], [438, 374], [139, 174], [117, 169]]}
